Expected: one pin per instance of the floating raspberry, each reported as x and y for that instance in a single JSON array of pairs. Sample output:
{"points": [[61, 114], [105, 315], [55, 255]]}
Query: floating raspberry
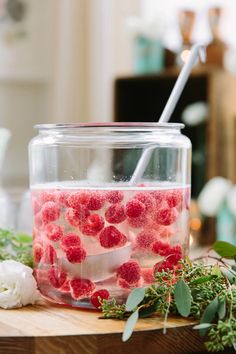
{"points": [[81, 288], [161, 248], [137, 222], [76, 254], [134, 208], [54, 232], [174, 198], [159, 196], [70, 240], [115, 214], [145, 239], [166, 216], [96, 201], [76, 216], [111, 237], [49, 255], [148, 276], [93, 225], [45, 197], [75, 200], [147, 199], [37, 252], [98, 296], [56, 276], [50, 212], [114, 196], [175, 254], [129, 271], [163, 266], [62, 198]]}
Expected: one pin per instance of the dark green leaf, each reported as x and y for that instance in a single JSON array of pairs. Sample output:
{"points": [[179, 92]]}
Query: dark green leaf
{"points": [[183, 298], [229, 274], [234, 267], [209, 313], [146, 312], [222, 309], [203, 326], [225, 249], [202, 280], [134, 298], [129, 326]]}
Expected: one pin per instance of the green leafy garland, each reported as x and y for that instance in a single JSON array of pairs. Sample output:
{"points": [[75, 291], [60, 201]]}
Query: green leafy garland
{"points": [[16, 246], [197, 290]]}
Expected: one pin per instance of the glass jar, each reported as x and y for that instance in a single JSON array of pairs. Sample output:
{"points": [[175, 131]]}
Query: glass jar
{"points": [[96, 226]]}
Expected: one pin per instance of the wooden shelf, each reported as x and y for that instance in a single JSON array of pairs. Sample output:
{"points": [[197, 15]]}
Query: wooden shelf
{"points": [[50, 329]]}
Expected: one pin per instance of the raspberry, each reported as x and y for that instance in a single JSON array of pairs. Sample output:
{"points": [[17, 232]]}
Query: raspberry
{"points": [[175, 254], [70, 240], [62, 198], [125, 285], [163, 266], [45, 197], [166, 216], [159, 196], [50, 212], [37, 252], [115, 214], [145, 239], [50, 255], [56, 276], [96, 201], [76, 216], [75, 200], [129, 271], [111, 237], [137, 222], [76, 254], [93, 225], [98, 296], [54, 232], [134, 208], [146, 199], [81, 288], [114, 196], [148, 276], [173, 198], [161, 248]]}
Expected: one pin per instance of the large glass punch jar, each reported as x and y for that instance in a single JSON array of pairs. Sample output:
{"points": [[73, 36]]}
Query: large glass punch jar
{"points": [[96, 227]]}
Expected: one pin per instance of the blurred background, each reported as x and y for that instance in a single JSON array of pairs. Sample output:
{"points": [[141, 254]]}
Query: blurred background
{"points": [[117, 60]]}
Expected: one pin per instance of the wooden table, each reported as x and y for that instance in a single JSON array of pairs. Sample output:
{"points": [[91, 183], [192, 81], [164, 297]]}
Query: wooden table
{"points": [[50, 329]]}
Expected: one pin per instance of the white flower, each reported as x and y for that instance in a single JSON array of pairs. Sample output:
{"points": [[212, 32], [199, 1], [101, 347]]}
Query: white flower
{"points": [[213, 196], [17, 285]]}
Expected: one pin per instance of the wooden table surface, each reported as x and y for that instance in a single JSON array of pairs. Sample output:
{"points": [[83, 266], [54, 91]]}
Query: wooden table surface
{"points": [[49, 329]]}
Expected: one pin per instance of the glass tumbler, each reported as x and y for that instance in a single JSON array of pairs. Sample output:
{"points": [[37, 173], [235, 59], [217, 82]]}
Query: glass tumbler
{"points": [[97, 230]]}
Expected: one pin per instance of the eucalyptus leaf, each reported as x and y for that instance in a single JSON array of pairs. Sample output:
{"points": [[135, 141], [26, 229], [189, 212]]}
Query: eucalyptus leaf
{"points": [[203, 326], [225, 249], [134, 298], [209, 313], [222, 309], [202, 280], [129, 326], [229, 274], [183, 298]]}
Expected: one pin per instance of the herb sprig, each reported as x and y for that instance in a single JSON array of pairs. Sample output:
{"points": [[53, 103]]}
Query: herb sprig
{"points": [[196, 290], [16, 246]]}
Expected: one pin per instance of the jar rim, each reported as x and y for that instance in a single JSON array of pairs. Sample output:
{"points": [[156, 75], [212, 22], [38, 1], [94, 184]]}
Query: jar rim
{"points": [[116, 125]]}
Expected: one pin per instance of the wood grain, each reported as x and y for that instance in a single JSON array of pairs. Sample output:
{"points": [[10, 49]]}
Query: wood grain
{"points": [[50, 329]]}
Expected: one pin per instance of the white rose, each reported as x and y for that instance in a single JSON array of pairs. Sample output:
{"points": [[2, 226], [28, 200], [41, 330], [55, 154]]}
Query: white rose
{"points": [[17, 285]]}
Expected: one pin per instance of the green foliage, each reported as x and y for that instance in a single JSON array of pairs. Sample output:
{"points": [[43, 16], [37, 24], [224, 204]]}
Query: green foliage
{"points": [[16, 246], [196, 290]]}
